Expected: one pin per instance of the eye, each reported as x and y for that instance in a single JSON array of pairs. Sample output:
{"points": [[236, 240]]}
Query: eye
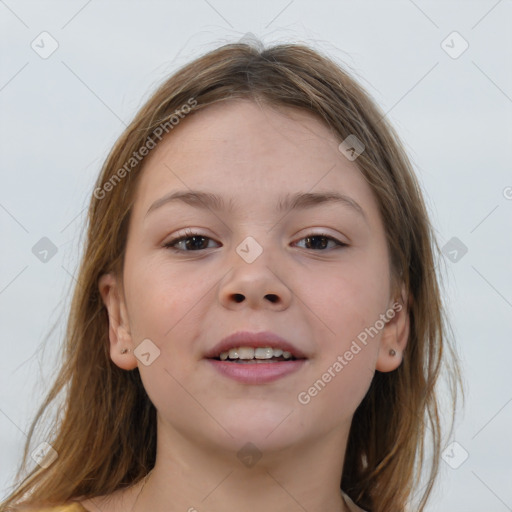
{"points": [[190, 242], [321, 240]]}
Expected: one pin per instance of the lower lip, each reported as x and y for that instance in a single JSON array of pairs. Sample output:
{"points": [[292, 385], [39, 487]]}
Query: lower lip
{"points": [[257, 373]]}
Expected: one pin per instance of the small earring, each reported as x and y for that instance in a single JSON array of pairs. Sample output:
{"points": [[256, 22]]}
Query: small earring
{"points": [[392, 353], [125, 350]]}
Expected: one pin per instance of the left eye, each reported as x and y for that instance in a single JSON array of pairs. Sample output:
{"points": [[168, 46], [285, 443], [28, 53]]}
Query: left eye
{"points": [[320, 240], [195, 241]]}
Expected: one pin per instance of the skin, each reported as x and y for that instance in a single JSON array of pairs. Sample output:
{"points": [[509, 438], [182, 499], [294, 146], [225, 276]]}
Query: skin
{"points": [[185, 303]]}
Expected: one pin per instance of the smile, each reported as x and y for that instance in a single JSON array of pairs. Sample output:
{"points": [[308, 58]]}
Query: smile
{"points": [[251, 354]]}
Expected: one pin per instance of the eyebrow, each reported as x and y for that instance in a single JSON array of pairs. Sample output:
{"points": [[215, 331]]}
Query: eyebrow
{"points": [[300, 200]]}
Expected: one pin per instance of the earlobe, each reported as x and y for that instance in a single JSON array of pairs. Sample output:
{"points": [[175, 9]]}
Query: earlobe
{"points": [[121, 345], [395, 336]]}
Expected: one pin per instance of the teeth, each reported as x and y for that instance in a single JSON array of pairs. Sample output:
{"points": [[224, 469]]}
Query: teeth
{"points": [[245, 353], [233, 353], [251, 353], [263, 353]]}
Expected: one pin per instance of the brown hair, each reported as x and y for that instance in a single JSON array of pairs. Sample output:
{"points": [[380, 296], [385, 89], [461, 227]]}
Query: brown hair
{"points": [[106, 435]]}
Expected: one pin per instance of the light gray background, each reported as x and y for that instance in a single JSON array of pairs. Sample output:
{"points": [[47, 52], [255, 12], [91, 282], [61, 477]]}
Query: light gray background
{"points": [[60, 116]]}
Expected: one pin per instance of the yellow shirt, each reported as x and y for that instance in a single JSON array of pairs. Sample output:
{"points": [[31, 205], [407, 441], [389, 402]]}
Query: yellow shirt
{"points": [[74, 507]]}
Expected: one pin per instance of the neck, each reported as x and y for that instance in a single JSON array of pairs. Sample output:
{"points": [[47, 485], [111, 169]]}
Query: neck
{"points": [[192, 477]]}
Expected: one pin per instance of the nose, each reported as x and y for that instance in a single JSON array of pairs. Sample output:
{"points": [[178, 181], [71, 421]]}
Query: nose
{"points": [[255, 285]]}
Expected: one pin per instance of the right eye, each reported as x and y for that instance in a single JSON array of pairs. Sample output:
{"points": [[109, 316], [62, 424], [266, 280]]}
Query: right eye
{"points": [[191, 242]]}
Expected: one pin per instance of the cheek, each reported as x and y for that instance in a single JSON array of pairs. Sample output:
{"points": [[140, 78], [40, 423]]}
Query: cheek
{"points": [[159, 297], [350, 298], [344, 369], [349, 303]]}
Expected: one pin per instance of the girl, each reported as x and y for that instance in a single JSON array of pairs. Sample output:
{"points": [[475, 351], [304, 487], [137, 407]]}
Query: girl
{"points": [[257, 323]]}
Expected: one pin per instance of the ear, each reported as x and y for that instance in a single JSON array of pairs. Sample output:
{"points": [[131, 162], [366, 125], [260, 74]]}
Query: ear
{"points": [[119, 329], [395, 334]]}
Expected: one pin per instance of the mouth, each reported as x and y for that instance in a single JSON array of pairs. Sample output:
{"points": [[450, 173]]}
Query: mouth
{"points": [[255, 358], [259, 355], [250, 346]]}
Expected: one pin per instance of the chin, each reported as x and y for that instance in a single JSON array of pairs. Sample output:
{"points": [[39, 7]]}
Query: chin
{"points": [[268, 430], [256, 443]]}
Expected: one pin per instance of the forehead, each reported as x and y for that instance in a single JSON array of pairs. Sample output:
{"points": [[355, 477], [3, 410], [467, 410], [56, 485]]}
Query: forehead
{"points": [[249, 152], [238, 128]]}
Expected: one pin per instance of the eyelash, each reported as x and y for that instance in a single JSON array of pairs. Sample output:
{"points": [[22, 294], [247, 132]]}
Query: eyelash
{"points": [[189, 234]]}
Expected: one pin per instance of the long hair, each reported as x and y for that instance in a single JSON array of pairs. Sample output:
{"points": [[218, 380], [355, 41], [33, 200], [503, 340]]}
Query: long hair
{"points": [[105, 435]]}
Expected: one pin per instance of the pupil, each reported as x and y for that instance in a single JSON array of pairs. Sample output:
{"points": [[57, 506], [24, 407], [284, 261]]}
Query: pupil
{"points": [[323, 238], [195, 239]]}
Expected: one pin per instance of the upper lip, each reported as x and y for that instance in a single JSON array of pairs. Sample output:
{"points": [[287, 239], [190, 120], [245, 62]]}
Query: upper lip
{"points": [[255, 340]]}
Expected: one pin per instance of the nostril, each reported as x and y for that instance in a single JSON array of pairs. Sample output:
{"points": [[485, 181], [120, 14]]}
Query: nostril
{"points": [[238, 297]]}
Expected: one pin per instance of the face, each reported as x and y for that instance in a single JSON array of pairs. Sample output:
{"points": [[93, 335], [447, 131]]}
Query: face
{"points": [[316, 274]]}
